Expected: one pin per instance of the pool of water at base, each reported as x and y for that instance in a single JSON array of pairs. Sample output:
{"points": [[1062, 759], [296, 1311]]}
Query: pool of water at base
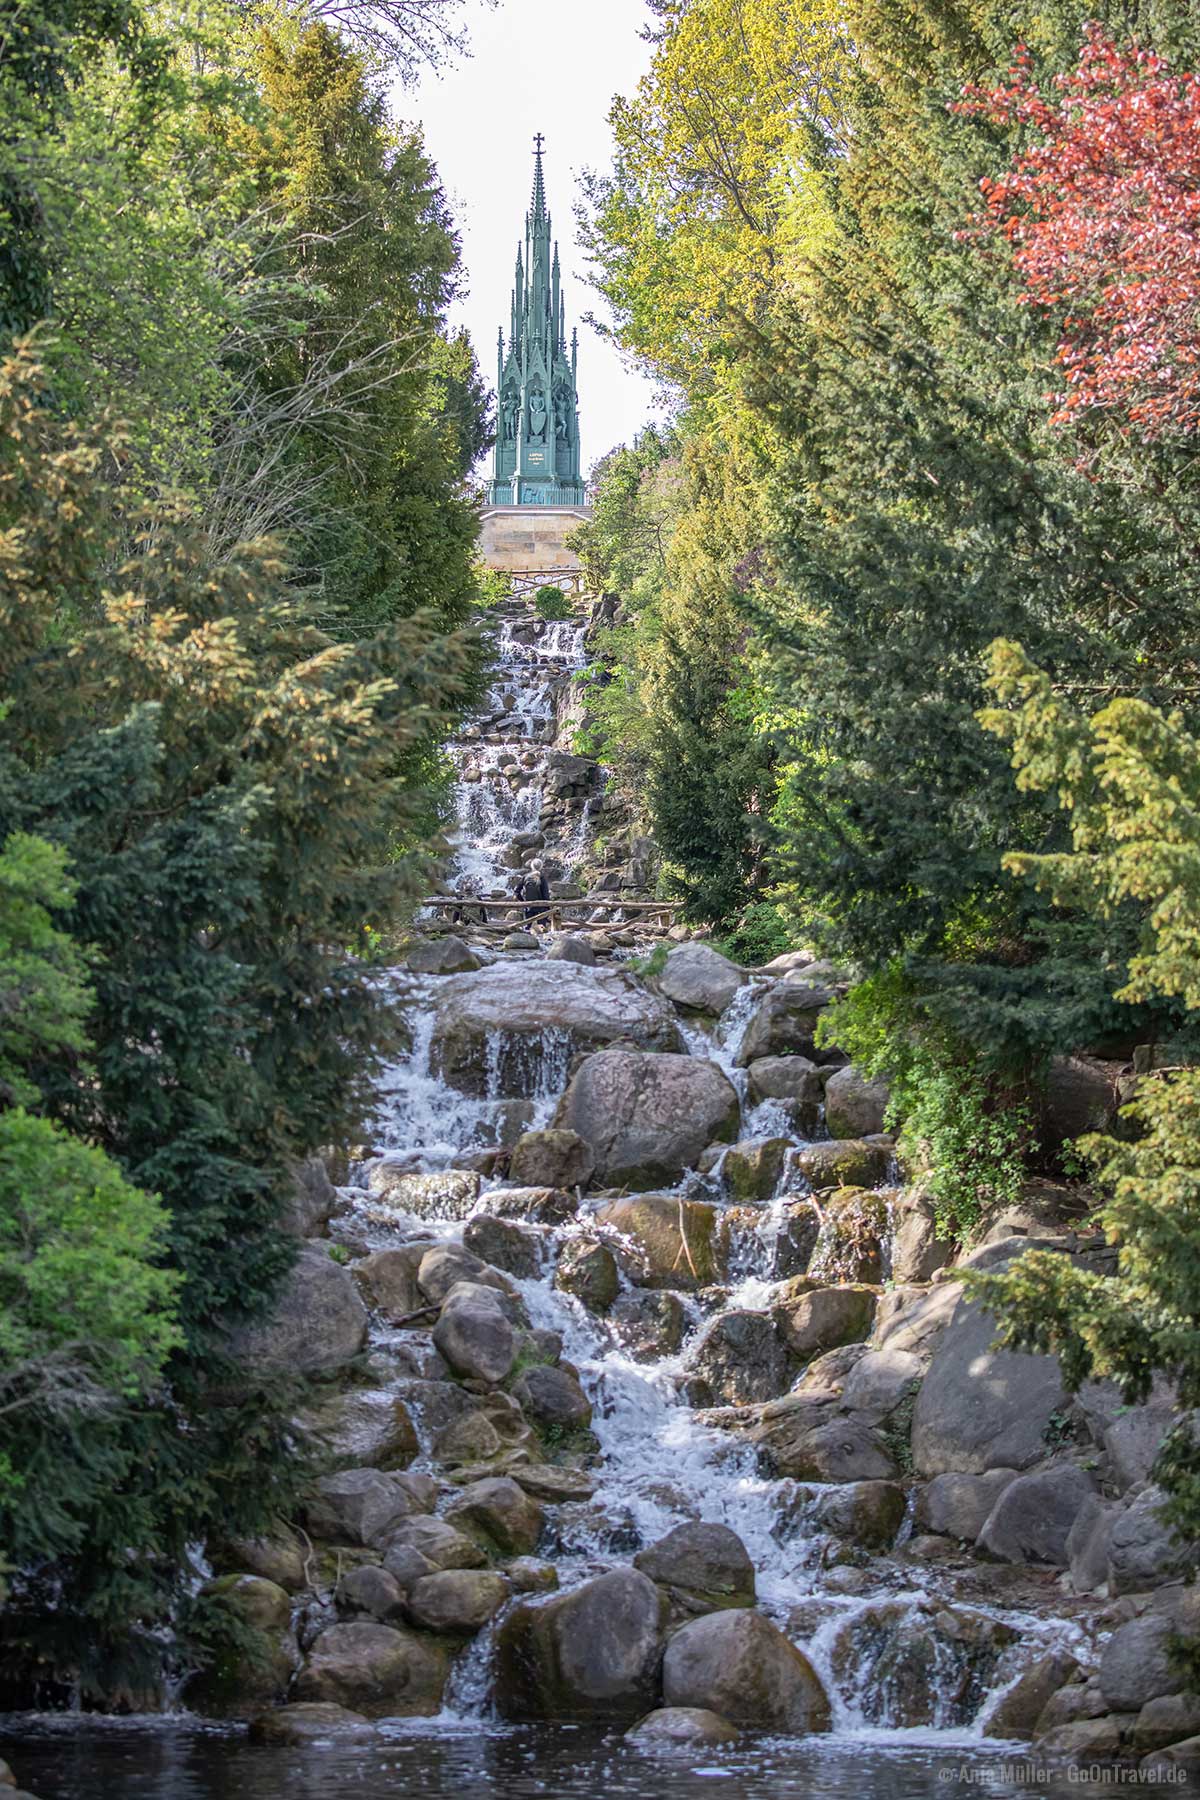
{"points": [[81, 1759]]}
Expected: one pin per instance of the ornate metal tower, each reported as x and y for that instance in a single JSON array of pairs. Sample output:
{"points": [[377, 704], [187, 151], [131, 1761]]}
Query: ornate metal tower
{"points": [[537, 432]]}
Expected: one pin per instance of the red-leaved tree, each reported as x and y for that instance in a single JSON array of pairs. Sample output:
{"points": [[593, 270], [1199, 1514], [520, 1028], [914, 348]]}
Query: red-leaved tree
{"points": [[1104, 214]]}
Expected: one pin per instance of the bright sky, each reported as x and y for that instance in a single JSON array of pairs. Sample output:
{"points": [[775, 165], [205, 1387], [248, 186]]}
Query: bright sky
{"points": [[536, 65]]}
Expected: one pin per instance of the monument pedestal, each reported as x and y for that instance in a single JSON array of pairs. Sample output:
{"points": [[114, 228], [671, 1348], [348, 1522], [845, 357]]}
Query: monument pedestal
{"points": [[525, 540]]}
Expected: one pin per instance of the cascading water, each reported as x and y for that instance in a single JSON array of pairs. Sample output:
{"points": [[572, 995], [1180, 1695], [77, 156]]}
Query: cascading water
{"points": [[658, 1463], [870, 1634], [501, 757]]}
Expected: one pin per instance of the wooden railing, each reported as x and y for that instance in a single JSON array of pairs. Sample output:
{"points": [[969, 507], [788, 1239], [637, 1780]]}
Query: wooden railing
{"points": [[503, 914]]}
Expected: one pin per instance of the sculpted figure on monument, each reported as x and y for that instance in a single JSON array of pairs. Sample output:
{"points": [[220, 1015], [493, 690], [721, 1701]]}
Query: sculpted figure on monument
{"points": [[511, 410], [537, 416]]}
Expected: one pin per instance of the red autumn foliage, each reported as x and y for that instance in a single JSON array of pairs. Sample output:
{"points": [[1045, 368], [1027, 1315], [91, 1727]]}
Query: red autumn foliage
{"points": [[1104, 214]]}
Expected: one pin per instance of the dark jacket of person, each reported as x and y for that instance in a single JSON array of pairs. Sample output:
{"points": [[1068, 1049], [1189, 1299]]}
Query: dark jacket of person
{"points": [[536, 887]]}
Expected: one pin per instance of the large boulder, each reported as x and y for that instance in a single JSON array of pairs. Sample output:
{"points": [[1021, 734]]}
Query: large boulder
{"points": [[499, 1024], [739, 1665], [1041, 1209], [374, 1591], [441, 956], [258, 1665], [317, 1324], [740, 1359], [958, 1506], [592, 1653], [649, 1324], [364, 1506], [378, 1671], [784, 1023], [473, 1334], [648, 1117], [387, 1281], [447, 1266], [821, 1318], [588, 1270], [699, 979], [1138, 1663], [1081, 1094], [981, 1408], [420, 1545], [311, 1200], [843, 1163], [855, 1105], [1177, 1763], [880, 1382], [865, 1513], [457, 1600], [554, 1158], [751, 1168], [553, 1398], [502, 1243], [448, 1194], [1032, 1518], [911, 1664], [497, 1510], [569, 948], [793, 1085], [309, 1721], [364, 1428], [1143, 1551], [1087, 1546], [1015, 1712], [1131, 1436], [704, 1567], [917, 1251], [806, 1437], [1166, 1720], [674, 1241]]}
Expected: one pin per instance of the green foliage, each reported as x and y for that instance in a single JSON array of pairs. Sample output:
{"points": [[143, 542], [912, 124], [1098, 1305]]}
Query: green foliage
{"points": [[86, 1315], [377, 465], [762, 932], [922, 501], [552, 603], [1128, 780], [44, 1000], [492, 587], [86, 1322], [964, 1130], [229, 785], [654, 964], [672, 704]]}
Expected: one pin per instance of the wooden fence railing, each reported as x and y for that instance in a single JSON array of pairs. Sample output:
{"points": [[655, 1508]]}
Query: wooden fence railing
{"points": [[503, 914]]}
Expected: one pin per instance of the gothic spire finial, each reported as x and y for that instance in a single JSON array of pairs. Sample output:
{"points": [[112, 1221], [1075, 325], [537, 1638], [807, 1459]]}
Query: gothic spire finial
{"points": [[539, 185]]}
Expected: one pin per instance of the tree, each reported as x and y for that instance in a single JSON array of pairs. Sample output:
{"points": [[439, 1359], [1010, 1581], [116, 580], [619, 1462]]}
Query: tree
{"points": [[383, 525], [922, 501], [1128, 780], [44, 999], [44, 47], [1104, 216], [402, 35], [710, 775], [717, 186], [229, 785], [86, 1313]]}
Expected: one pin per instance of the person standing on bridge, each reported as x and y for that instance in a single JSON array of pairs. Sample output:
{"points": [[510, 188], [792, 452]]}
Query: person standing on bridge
{"points": [[536, 888]]}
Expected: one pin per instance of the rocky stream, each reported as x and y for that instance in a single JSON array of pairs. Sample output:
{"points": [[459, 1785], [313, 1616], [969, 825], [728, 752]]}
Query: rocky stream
{"points": [[665, 1446]]}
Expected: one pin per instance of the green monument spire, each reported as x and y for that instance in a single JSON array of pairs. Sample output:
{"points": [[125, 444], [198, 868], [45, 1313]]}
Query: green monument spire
{"points": [[537, 430]]}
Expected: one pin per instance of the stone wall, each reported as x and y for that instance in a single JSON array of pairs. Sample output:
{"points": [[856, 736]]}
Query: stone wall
{"points": [[518, 539]]}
